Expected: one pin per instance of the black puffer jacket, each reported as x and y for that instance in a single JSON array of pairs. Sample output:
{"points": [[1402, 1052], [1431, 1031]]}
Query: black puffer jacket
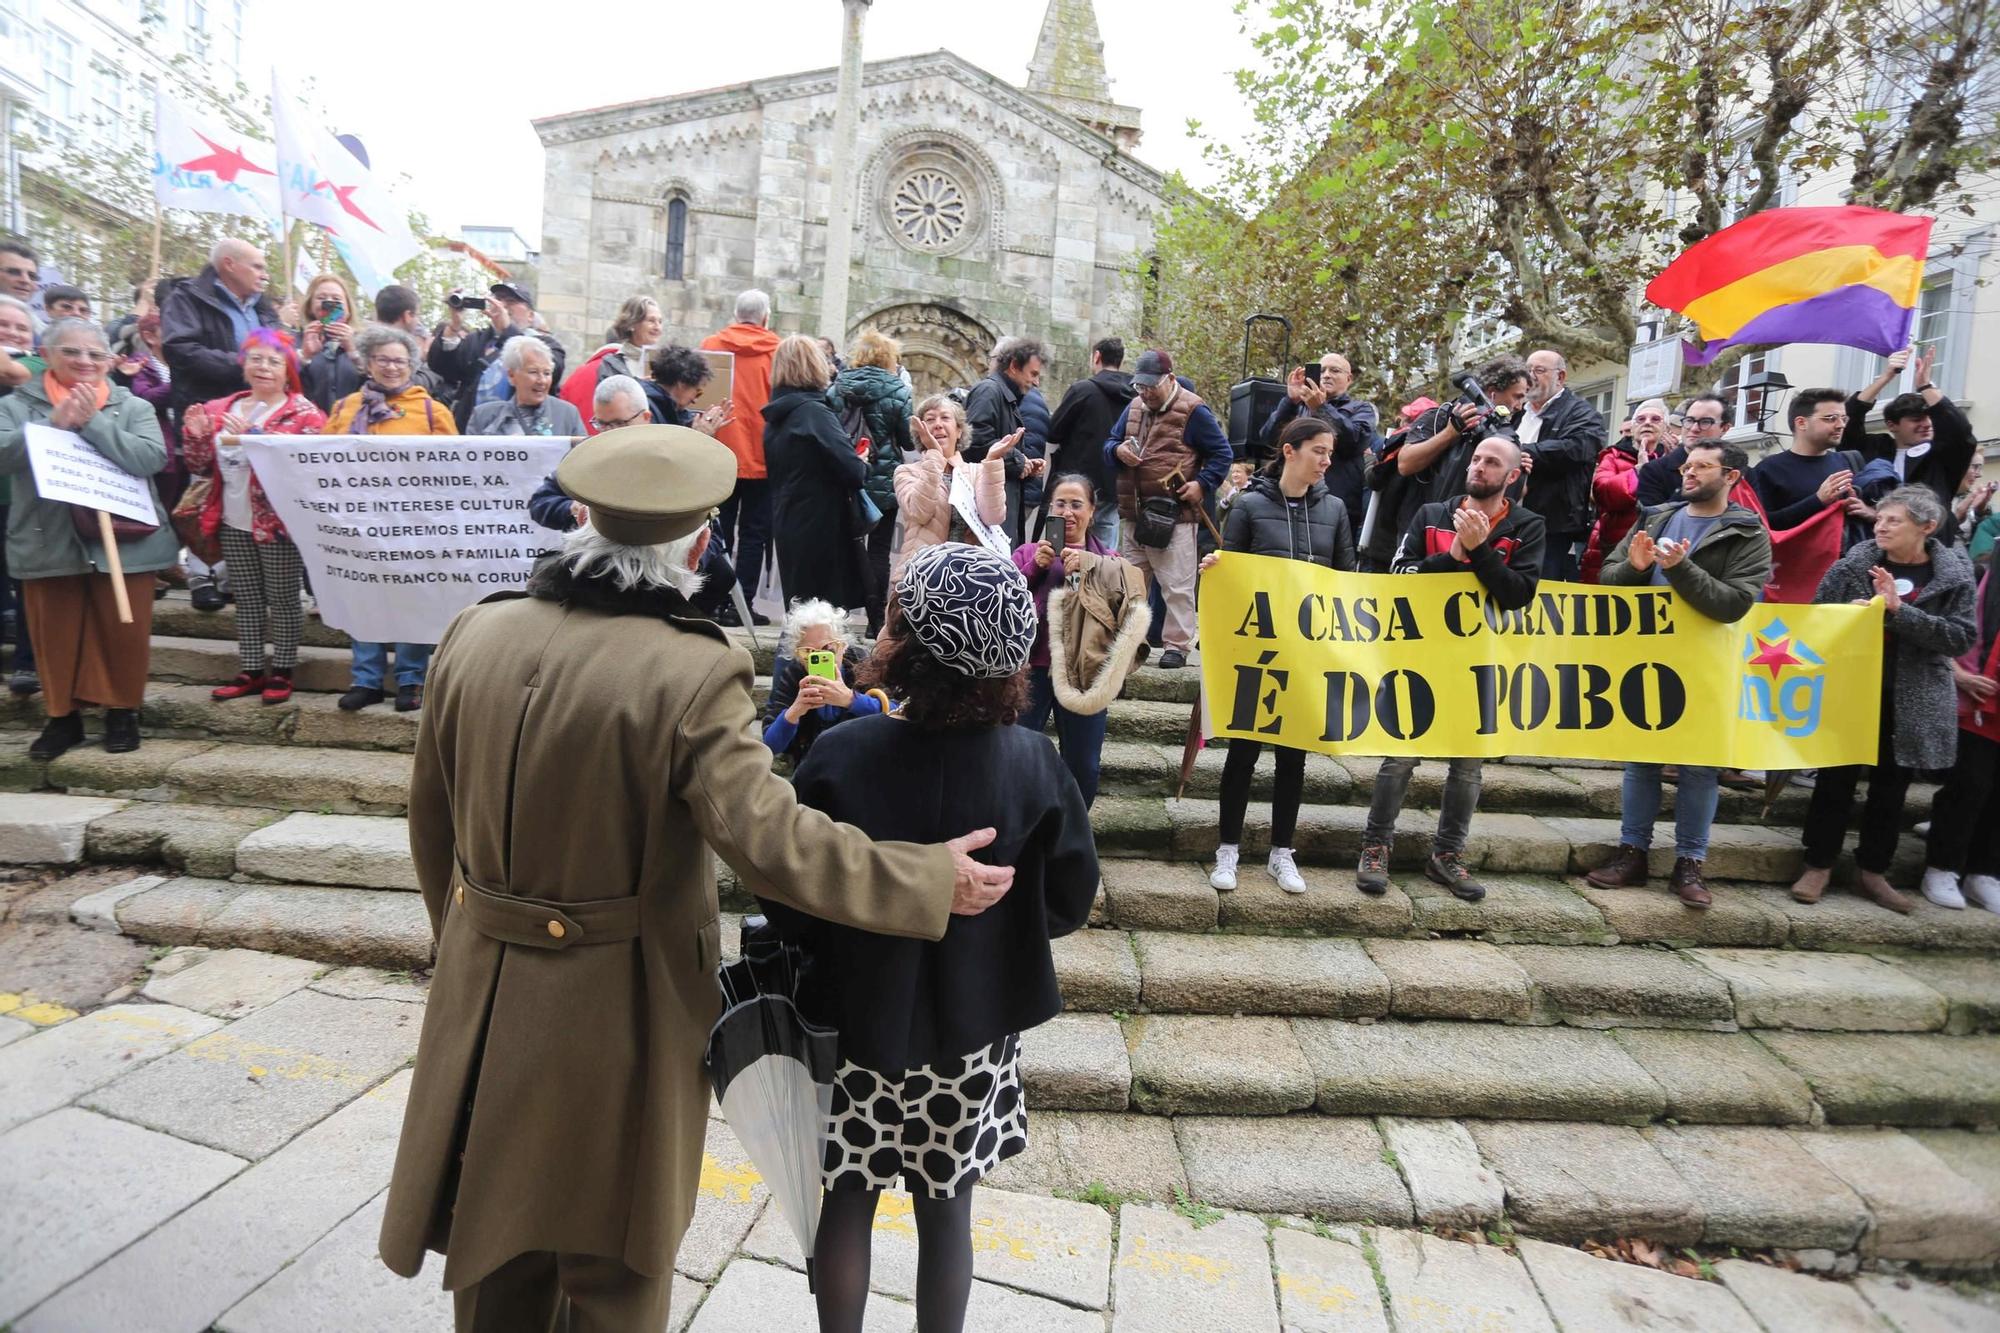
{"points": [[199, 343], [1264, 521]]}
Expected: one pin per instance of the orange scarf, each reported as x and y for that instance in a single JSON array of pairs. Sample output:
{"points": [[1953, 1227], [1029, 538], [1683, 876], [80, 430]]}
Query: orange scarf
{"points": [[57, 390]]}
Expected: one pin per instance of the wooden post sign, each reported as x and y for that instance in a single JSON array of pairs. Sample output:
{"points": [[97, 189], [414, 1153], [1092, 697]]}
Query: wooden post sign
{"points": [[68, 468]]}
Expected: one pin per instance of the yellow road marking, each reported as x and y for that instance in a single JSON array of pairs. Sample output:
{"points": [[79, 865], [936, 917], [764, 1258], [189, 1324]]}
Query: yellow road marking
{"points": [[1177, 1263], [263, 1060], [42, 1013], [1328, 1296], [732, 1184]]}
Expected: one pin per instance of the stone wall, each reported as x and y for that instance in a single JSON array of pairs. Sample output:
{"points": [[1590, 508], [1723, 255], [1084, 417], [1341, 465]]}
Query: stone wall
{"points": [[1039, 227]]}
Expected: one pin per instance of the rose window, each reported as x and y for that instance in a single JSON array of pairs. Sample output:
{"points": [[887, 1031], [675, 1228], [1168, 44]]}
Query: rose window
{"points": [[929, 209]]}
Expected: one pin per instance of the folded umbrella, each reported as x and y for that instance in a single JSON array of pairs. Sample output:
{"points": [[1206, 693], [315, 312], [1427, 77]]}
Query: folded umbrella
{"points": [[773, 1073]]}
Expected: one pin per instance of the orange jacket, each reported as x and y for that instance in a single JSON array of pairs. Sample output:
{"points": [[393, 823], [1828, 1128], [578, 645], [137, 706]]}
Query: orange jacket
{"points": [[753, 345], [421, 415]]}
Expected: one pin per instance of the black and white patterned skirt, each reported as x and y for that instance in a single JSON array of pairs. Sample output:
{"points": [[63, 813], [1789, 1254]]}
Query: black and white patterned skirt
{"points": [[937, 1129]]}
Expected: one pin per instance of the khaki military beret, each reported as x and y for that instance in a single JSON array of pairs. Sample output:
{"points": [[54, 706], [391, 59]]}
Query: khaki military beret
{"points": [[648, 484]]}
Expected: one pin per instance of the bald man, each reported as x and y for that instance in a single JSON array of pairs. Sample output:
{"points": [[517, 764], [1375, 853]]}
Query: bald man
{"points": [[1354, 423], [206, 319]]}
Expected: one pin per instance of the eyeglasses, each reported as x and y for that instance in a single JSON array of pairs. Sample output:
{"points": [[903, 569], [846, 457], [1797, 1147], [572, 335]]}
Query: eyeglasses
{"points": [[1704, 421], [614, 425], [271, 362], [389, 362], [1067, 506], [82, 353]]}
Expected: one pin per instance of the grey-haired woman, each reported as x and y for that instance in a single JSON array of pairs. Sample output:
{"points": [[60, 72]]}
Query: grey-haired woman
{"points": [[1927, 599], [928, 1094]]}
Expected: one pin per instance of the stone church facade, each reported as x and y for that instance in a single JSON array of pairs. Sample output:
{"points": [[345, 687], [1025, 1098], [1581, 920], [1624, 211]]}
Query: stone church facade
{"points": [[979, 209]]}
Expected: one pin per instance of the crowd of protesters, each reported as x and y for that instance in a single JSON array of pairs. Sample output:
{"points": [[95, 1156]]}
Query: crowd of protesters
{"points": [[1110, 504]]}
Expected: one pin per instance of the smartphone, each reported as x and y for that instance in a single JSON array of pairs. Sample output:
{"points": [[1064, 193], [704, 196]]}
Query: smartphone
{"points": [[823, 662], [333, 314], [1055, 531]]}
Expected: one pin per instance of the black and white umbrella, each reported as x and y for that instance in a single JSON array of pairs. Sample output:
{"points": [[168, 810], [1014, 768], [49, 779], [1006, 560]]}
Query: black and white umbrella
{"points": [[773, 1073]]}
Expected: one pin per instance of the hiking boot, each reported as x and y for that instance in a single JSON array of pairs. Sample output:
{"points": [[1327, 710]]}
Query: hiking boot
{"points": [[1625, 870], [1450, 870], [409, 698], [59, 735], [242, 687], [1810, 887], [1941, 887], [121, 730], [1372, 875], [1282, 868], [1885, 894], [1223, 877], [1686, 882], [359, 698], [1983, 890], [277, 687]]}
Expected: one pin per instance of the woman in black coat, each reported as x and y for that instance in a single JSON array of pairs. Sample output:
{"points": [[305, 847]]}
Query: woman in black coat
{"points": [[928, 1093], [815, 480], [1287, 512]]}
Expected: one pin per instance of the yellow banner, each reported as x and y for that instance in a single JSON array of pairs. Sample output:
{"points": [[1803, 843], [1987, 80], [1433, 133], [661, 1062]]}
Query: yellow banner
{"points": [[1424, 664]]}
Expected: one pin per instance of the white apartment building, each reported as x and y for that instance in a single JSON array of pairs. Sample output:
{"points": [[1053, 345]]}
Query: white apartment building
{"points": [[83, 72]]}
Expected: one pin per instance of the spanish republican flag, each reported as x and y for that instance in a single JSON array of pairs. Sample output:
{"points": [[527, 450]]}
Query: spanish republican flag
{"points": [[1847, 275]]}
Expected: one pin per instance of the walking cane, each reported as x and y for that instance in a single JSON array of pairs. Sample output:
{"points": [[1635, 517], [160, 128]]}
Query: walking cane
{"points": [[115, 566]]}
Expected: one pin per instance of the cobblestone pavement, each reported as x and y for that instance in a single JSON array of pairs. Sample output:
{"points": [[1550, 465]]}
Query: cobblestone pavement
{"points": [[211, 1151]]}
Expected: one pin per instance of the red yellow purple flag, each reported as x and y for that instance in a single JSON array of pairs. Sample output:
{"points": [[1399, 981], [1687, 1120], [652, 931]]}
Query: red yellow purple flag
{"points": [[1848, 275]]}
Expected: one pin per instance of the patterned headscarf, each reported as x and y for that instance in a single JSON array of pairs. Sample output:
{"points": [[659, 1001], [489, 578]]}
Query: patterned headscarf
{"points": [[971, 608]]}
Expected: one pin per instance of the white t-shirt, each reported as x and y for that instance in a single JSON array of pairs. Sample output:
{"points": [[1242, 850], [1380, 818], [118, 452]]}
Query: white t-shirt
{"points": [[232, 465]]}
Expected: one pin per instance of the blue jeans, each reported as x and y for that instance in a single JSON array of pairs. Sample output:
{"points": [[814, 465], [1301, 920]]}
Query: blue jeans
{"points": [[1081, 737], [371, 663], [1694, 808]]}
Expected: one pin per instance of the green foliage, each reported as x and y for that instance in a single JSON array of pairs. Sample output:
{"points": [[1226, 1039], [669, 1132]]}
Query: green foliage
{"points": [[1100, 1195], [1195, 1211], [1431, 180]]}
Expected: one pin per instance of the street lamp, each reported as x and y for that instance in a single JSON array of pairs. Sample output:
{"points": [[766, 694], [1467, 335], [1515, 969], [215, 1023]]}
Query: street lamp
{"points": [[1765, 384]]}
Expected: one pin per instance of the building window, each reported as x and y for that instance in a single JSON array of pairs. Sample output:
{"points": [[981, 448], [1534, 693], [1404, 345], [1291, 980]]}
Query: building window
{"points": [[1602, 396], [234, 30], [1933, 325], [929, 208], [107, 94], [1746, 404], [677, 232], [197, 28], [59, 68]]}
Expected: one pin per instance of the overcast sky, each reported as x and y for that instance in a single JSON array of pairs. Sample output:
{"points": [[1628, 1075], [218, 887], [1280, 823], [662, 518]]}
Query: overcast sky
{"points": [[444, 91]]}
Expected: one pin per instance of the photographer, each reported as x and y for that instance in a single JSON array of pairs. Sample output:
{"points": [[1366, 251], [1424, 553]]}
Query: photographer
{"points": [[1430, 462], [461, 355], [804, 703], [326, 343], [1322, 393]]}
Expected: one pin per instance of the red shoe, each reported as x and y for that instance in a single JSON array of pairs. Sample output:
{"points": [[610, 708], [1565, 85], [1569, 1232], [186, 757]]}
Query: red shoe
{"points": [[242, 687], [278, 687]]}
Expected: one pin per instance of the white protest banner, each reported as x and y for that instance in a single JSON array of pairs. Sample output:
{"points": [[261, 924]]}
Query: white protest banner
{"points": [[68, 468], [402, 532]]}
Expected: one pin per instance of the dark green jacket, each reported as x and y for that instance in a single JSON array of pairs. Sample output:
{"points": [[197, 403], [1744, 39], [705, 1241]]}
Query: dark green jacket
{"points": [[884, 401], [42, 540], [1724, 573]]}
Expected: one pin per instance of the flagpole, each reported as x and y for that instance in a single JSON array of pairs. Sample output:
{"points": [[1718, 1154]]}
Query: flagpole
{"points": [[153, 275]]}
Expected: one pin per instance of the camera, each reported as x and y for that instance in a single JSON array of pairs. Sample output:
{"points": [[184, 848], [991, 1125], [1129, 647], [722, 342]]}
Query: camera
{"points": [[461, 299], [1471, 395]]}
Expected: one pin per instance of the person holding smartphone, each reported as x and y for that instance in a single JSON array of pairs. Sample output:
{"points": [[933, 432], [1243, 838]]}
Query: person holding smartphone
{"points": [[1047, 564], [812, 685], [327, 368]]}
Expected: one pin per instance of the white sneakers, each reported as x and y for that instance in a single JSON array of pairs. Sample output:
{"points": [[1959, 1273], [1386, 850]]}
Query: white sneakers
{"points": [[1223, 877], [1282, 868], [1941, 887], [1984, 890]]}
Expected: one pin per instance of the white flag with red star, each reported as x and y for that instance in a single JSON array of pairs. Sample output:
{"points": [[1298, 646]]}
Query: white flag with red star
{"points": [[210, 169], [320, 181]]}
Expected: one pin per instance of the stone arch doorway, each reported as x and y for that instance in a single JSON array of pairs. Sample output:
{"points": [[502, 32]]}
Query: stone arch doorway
{"points": [[942, 347]]}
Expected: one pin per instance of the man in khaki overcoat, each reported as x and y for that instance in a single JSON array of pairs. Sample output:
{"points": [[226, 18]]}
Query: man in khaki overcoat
{"points": [[583, 748]]}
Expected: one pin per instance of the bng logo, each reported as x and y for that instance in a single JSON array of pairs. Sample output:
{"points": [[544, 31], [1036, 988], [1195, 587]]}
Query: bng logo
{"points": [[1783, 680]]}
